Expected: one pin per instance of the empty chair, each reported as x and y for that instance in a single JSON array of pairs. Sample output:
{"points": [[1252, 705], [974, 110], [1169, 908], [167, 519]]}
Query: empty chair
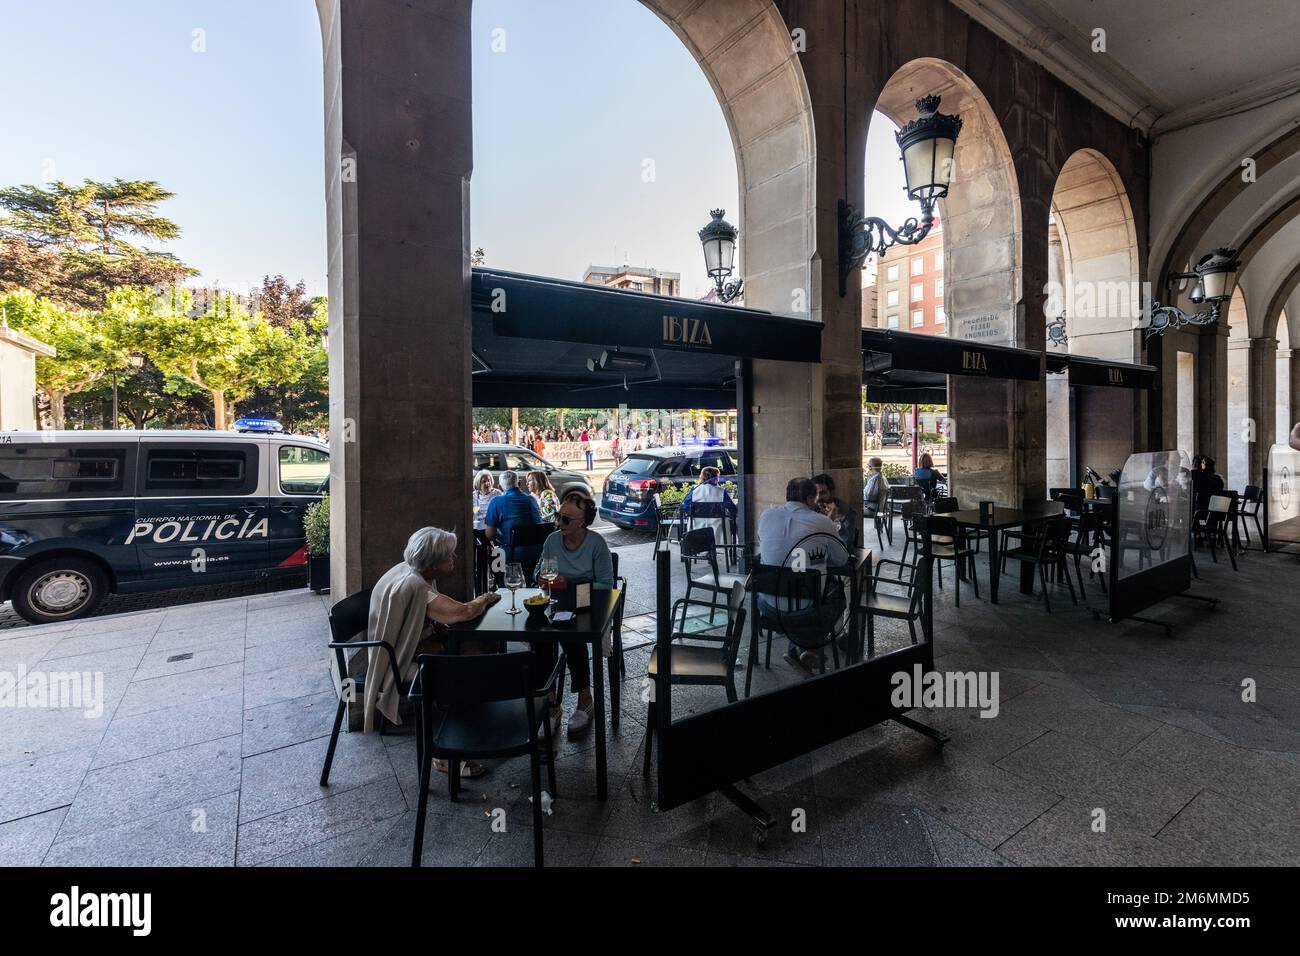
{"points": [[1087, 538], [348, 618], [700, 558], [1248, 506], [480, 706], [1213, 524], [908, 606], [1043, 544], [948, 543], [711, 663]]}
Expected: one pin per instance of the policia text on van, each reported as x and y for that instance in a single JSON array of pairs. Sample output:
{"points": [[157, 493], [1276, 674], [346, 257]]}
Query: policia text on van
{"points": [[83, 514]]}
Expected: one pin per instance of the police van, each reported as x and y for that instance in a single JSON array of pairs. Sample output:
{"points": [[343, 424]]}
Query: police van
{"points": [[88, 513]]}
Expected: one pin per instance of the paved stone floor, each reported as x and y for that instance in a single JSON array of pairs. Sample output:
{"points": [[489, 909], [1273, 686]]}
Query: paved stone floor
{"points": [[216, 718]]}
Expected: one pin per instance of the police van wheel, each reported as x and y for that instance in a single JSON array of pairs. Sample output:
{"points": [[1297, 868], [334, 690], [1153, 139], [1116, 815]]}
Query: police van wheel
{"points": [[59, 589]]}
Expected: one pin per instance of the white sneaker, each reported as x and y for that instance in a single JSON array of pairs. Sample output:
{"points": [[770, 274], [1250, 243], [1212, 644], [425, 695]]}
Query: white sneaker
{"points": [[580, 722]]}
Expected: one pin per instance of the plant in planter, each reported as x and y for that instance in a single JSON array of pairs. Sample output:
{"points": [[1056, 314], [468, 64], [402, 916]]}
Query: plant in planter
{"points": [[316, 528], [674, 495]]}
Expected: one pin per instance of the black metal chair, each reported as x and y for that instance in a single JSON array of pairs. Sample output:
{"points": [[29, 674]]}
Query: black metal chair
{"points": [[709, 666], [699, 551], [668, 519], [909, 606], [714, 515], [480, 706], [796, 606], [1044, 546], [1087, 538], [1039, 508], [616, 664], [914, 515], [1213, 525], [948, 543], [525, 546], [348, 618], [1249, 505]]}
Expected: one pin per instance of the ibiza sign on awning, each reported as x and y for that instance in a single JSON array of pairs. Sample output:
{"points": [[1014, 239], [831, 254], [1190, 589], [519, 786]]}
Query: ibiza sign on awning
{"points": [[536, 307], [1096, 372], [887, 350]]}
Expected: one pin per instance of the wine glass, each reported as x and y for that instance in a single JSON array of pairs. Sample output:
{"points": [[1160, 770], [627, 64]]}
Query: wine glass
{"points": [[548, 571], [514, 581]]}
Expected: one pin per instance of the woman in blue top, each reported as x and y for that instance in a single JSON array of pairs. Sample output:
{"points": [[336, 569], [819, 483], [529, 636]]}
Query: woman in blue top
{"points": [[581, 555], [926, 475]]}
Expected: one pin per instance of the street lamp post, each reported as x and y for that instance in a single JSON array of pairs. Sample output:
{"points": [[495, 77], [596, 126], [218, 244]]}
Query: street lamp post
{"points": [[928, 144], [719, 241]]}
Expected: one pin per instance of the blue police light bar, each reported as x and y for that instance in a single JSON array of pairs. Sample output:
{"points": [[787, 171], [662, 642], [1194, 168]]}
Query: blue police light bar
{"points": [[267, 425]]}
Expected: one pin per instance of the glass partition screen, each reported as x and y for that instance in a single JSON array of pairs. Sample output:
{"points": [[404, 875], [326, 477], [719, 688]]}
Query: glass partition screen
{"points": [[1155, 501]]}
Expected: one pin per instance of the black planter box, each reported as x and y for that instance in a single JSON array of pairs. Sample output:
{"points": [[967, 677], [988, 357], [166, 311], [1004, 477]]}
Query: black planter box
{"points": [[318, 572]]}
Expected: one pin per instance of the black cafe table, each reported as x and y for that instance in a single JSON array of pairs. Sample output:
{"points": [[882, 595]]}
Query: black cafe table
{"points": [[1002, 519], [590, 626]]}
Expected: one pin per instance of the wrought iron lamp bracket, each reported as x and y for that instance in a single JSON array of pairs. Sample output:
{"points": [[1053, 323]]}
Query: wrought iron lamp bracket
{"points": [[860, 236]]}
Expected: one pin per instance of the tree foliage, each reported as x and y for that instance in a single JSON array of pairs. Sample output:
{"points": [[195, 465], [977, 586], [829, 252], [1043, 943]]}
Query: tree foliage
{"points": [[69, 243]]}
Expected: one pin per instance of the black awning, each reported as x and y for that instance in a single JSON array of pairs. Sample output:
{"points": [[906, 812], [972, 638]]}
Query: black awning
{"points": [[1085, 370], [907, 368], [533, 338], [536, 307]]}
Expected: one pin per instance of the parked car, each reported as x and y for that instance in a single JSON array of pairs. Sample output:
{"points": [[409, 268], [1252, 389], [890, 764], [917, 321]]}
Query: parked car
{"points": [[893, 438], [88, 513], [628, 498], [499, 458]]}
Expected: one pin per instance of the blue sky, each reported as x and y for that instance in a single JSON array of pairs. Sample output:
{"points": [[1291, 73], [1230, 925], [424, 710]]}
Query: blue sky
{"points": [[585, 95]]}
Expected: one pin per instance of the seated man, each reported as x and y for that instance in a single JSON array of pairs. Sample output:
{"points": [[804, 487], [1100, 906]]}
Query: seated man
{"points": [[408, 613], [581, 555], [507, 511], [838, 510], [781, 529], [876, 491]]}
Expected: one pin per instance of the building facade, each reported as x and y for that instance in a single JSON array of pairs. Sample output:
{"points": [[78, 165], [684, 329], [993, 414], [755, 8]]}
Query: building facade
{"points": [[635, 278], [18, 354], [909, 289]]}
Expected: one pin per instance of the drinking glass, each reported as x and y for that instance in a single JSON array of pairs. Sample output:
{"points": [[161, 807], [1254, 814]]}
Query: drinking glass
{"points": [[514, 581], [548, 571]]}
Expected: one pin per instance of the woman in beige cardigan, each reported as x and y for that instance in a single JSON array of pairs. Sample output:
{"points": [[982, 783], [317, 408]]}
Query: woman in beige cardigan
{"points": [[408, 613]]}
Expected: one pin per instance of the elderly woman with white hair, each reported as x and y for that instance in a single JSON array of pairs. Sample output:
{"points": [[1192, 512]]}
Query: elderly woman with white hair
{"points": [[408, 612]]}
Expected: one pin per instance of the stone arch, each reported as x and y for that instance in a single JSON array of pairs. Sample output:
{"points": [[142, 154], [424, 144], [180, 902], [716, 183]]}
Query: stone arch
{"points": [[1182, 245], [1093, 274], [981, 214], [1099, 257], [744, 49]]}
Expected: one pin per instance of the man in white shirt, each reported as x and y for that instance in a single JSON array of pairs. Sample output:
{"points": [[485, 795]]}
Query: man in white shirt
{"points": [[798, 524]]}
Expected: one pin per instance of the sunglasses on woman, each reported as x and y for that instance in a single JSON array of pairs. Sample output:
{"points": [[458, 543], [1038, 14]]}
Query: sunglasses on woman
{"points": [[566, 520]]}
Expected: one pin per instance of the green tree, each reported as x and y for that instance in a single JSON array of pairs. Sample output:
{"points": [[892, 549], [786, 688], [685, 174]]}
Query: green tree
{"points": [[70, 243], [302, 403], [225, 352]]}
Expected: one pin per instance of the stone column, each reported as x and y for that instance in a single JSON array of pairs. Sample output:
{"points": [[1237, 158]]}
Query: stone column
{"points": [[1212, 393], [1293, 364], [398, 159], [1263, 404]]}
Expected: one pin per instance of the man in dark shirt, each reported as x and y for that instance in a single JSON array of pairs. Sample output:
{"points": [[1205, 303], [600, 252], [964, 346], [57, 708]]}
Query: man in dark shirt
{"points": [[507, 511]]}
